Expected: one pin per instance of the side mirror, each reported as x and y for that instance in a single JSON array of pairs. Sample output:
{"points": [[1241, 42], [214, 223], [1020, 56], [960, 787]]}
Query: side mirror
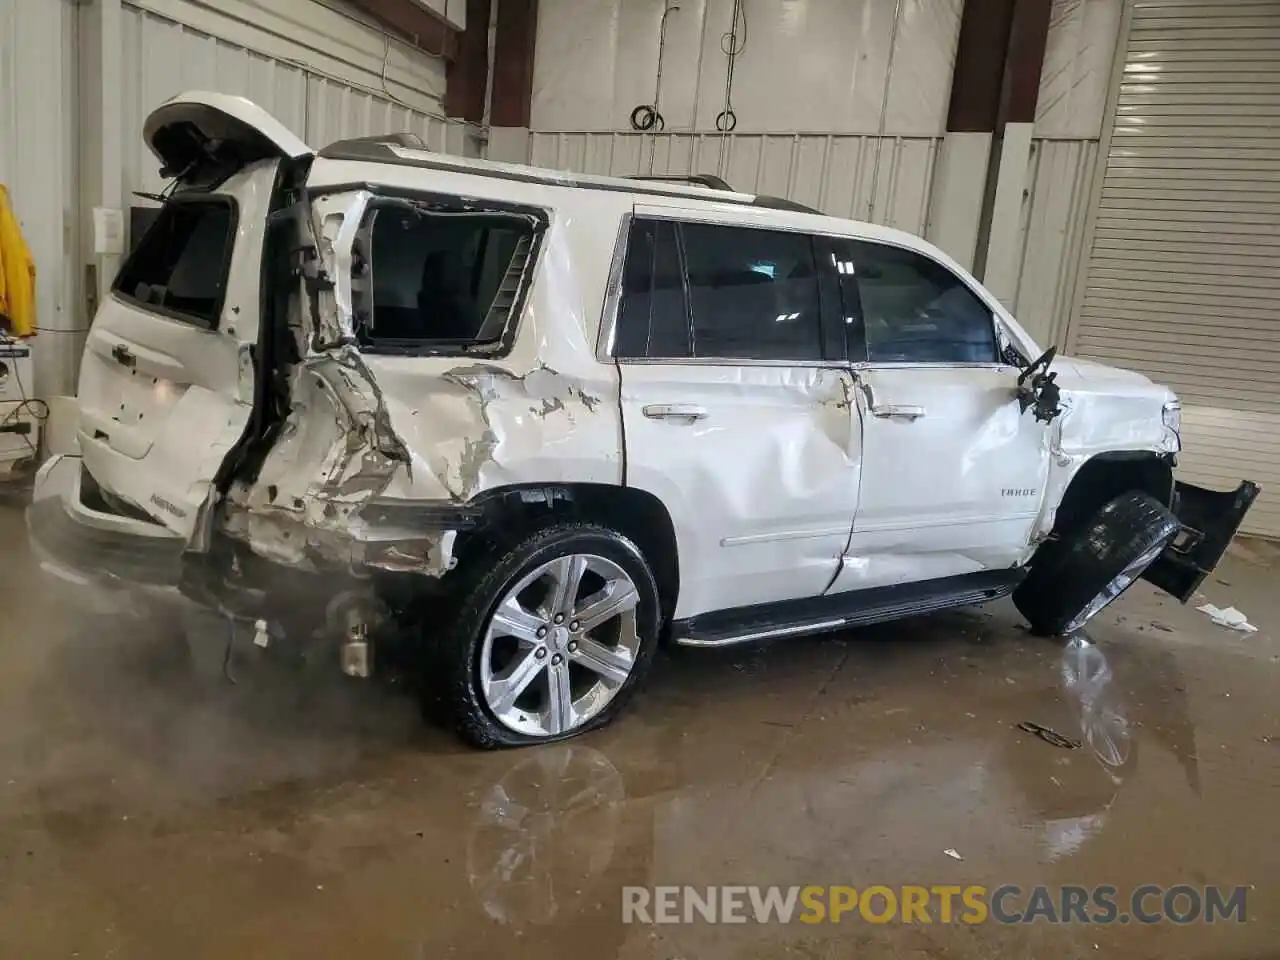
{"points": [[1038, 390]]}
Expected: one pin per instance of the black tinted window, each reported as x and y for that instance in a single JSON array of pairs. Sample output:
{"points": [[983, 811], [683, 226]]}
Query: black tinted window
{"points": [[914, 310], [653, 316], [442, 276], [180, 266], [754, 293]]}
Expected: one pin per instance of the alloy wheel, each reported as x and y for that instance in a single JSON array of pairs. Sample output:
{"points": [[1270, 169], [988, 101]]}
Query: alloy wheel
{"points": [[560, 644], [1113, 589]]}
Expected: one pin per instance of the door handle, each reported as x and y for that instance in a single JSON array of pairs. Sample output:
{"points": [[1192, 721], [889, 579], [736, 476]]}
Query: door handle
{"points": [[124, 356], [889, 411], [685, 412], [897, 411]]}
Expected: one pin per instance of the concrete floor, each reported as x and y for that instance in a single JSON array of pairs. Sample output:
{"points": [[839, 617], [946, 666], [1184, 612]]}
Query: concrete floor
{"points": [[146, 812]]}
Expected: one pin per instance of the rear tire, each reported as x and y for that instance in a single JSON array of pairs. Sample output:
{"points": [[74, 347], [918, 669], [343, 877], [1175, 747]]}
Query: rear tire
{"points": [[1074, 579], [560, 660]]}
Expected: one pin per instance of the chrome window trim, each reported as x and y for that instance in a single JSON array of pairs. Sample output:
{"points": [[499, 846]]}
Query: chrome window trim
{"points": [[873, 365], [728, 362], [613, 294]]}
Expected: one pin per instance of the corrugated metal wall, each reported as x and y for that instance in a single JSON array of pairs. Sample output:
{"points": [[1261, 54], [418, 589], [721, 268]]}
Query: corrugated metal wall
{"points": [[1181, 281], [883, 179], [1054, 214], [163, 57], [38, 162]]}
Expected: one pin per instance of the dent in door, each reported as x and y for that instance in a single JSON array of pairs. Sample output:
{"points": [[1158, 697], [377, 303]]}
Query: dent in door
{"points": [[761, 491], [952, 488]]}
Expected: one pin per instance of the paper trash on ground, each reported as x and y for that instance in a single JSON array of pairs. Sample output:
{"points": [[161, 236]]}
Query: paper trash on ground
{"points": [[1229, 617]]}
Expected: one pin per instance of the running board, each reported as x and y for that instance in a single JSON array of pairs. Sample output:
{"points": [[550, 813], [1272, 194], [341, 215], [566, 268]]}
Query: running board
{"points": [[793, 618]]}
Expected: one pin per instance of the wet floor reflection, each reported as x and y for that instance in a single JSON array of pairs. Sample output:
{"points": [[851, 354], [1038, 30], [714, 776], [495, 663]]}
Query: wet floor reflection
{"points": [[146, 811], [544, 834]]}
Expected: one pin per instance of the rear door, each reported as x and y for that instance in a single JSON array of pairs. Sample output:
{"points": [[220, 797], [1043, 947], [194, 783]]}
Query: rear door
{"points": [[736, 403], [167, 380]]}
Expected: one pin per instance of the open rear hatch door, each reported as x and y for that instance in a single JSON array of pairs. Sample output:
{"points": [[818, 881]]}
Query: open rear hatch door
{"points": [[1210, 520], [167, 381]]}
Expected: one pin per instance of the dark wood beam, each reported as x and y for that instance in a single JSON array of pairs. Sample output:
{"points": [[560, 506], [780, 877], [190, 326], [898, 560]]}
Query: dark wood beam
{"points": [[468, 73], [513, 45], [425, 29], [1024, 62], [978, 75]]}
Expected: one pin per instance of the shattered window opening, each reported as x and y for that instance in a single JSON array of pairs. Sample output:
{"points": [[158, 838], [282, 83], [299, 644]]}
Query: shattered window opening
{"points": [[179, 268], [429, 276]]}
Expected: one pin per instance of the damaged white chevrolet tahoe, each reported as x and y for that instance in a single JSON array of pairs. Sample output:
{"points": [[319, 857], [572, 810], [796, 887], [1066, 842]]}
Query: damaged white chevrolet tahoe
{"points": [[539, 422]]}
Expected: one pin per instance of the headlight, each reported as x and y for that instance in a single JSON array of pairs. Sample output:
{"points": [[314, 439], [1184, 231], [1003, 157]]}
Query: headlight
{"points": [[1172, 416]]}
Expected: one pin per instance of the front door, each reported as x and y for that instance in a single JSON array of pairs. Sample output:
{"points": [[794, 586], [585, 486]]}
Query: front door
{"points": [[953, 471], [737, 410]]}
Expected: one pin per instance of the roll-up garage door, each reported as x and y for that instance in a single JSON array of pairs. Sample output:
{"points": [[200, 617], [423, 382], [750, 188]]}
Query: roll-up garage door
{"points": [[1183, 278]]}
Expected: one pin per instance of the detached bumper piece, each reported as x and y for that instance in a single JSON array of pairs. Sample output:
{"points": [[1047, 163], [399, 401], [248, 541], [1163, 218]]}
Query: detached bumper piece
{"points": [[1209, 521], [102, 554]]}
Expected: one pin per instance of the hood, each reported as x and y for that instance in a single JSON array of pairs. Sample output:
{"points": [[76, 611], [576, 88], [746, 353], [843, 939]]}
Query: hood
{"points": [[1092, 372], [197, 133]]}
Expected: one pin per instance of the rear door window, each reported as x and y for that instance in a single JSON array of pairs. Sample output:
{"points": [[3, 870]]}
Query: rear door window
{"points": [[653, 313], [719, 292], [180, 266], [753, 293]]}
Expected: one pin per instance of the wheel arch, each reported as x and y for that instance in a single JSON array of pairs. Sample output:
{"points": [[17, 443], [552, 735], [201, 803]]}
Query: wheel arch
{"points": [[1107, 475], [507, 513]]}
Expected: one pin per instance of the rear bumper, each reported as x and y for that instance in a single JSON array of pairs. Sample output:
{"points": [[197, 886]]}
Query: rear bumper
{"points": [[110, 561]]}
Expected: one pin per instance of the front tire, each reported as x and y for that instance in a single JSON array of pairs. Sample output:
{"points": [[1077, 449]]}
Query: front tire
{"points": [[553, 640], [1073, 580]]}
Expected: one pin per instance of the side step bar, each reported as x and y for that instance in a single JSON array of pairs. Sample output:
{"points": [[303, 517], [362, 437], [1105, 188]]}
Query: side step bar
{"points": [[792, 618]]}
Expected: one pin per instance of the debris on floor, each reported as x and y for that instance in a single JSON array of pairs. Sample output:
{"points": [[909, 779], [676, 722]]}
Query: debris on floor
{"points": [[1049, 735], [1228, 617], [951, 852]]}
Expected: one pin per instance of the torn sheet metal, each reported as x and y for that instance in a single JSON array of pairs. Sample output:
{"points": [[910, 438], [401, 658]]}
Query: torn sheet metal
{"points": [[429, 429], [337, 448]]}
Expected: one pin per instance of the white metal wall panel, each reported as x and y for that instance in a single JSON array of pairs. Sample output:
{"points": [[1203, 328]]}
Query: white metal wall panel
{"points": [[328, 37], [1054, 214], [163, 57], [1078, 55], [882, 179], [1182, 278], [37, 164], [845, 66]]}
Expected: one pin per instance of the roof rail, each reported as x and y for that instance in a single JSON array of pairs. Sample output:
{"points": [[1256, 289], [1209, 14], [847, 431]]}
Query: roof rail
{"points": [[406, 139], [697, 179], [782, 203], [715, 183]]}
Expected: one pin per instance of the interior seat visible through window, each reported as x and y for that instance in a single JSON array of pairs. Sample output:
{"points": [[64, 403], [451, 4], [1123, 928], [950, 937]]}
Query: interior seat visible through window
{"points": [[915, 310], [440, 277]]}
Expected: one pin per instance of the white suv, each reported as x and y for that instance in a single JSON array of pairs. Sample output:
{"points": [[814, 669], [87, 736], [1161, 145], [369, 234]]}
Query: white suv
{"points": [[539, 422]]}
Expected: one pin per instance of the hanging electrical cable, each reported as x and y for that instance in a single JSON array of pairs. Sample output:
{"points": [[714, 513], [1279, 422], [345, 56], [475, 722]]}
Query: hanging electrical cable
{"points": [[647, 116], [732, 43]]}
